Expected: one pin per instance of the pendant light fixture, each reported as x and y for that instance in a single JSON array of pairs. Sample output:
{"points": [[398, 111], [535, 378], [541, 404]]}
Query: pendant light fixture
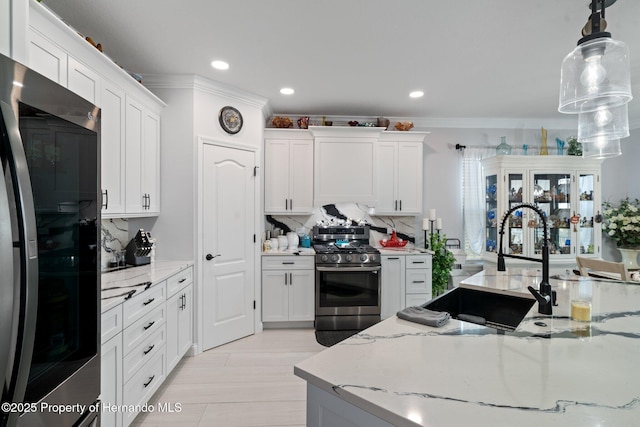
{"points": [[596, 74], [601, 149], [595, 83]]}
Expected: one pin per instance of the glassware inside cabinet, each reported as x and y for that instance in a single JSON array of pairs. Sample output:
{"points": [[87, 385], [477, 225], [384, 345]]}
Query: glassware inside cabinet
{"points": [[493, 217], [516, 218], [552, 194], [587, 213]]}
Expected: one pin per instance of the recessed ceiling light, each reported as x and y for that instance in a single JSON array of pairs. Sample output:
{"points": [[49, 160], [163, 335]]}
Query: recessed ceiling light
{"points": [[287, 91], [416, 94], [219, 65]]}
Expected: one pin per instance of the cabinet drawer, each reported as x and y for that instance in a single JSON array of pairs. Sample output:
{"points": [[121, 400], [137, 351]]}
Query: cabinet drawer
{"points": [[418, 261], [179, 281], [143, 384], [418, 281], [415, 300], [144, 352], [143, 329], [142, 304], [111, 323], [276, 262]]}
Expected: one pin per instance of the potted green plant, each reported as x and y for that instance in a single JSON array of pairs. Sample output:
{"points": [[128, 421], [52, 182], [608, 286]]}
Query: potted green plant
{"points": [[441, 264]]}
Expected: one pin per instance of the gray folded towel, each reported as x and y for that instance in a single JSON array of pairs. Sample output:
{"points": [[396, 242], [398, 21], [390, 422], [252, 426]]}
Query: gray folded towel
{"points": [[424, 316]]}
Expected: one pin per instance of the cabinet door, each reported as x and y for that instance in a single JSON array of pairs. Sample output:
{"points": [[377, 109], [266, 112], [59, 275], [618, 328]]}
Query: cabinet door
{"points": [[301, 295], [344, 170], [387, 201], [83, 81], [174, 305], [151, 162], [276, 176], [552, 194], [409, 177], [301, 176], [133, 138], [587, 232], [392, 285], [112, 149], [5, 28], [47, 58], [185, 321], [111, 380], [275, 296]]}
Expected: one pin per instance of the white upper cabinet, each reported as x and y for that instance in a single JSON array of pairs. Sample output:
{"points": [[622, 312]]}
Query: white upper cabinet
{"points": [[142, 137], [83, 81], [399, 157], [112, 149], [345, 167], [288, 165], [47, 58], [130, 125]]}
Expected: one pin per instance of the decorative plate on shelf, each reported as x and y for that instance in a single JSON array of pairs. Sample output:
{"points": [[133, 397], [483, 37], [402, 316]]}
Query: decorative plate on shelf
{"points": [[230, 119]]}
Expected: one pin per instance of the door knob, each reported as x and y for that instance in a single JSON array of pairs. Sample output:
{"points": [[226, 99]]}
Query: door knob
{"points": [[209, 257]]}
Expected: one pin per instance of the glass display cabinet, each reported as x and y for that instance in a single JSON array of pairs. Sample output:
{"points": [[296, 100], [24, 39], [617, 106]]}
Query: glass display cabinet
{"points": [[565, 188]]}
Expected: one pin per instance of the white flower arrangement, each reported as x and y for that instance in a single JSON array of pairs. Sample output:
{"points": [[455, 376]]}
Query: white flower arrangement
{"points": [[622, 223]]}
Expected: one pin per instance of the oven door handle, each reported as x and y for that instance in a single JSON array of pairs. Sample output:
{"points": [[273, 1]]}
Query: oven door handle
{"points": [[347, 269]]}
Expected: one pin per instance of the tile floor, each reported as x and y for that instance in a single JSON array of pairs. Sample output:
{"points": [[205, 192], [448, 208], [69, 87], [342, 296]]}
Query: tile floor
{"points": [[248, 382]]}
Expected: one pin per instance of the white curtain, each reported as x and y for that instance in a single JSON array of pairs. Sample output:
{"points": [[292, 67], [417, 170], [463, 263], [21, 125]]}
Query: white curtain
{"points": [[473, 194]]}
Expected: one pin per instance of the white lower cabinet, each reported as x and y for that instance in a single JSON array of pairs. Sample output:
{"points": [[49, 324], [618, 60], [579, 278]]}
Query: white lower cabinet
{"points": [[142, 341], [392, 285], [179, 325], [111, 367], [417, 279], [406, 282], [288, 285]]}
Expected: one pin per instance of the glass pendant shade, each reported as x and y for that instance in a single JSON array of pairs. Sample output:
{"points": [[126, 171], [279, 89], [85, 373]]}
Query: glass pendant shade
{"points": [[602, 149], [603, 124], [596, 74]]}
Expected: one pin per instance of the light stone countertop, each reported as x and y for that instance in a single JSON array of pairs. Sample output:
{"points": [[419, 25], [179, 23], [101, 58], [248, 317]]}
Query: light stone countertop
{"points": [[117, 285], [566, 373]]}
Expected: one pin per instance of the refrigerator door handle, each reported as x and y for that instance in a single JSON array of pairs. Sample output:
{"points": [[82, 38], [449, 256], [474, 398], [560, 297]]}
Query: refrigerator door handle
{"points": [[6, 278], [28, 247]]}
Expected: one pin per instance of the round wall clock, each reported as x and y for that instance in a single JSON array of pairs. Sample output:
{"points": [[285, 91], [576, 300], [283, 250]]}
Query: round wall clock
{"points": [[230, 119]]}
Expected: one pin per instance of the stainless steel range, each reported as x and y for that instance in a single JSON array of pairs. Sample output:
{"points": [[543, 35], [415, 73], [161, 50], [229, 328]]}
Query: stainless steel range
{"points": [[347, 278]]}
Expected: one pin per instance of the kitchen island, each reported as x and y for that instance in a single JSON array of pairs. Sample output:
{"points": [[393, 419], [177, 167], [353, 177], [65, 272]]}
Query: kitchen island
{"points": [[559, 372]]}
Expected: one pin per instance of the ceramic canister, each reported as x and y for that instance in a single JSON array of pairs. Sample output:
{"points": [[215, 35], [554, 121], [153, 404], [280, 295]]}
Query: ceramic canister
{"points": [[283, 243], [293, 240], [274, 244]]}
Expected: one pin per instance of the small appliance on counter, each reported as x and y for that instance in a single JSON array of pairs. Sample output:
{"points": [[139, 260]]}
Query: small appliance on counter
{"points": [[139, 249]]}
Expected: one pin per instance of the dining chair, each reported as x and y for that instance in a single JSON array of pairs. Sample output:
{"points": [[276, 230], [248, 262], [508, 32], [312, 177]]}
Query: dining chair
{"points": [[599, 265]]}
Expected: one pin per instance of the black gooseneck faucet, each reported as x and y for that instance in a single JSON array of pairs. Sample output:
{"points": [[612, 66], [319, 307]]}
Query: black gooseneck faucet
{"points": [[545, 296]]}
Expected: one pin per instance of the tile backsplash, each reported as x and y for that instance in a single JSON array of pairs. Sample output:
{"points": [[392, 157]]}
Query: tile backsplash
{"points": [[406, 226]]}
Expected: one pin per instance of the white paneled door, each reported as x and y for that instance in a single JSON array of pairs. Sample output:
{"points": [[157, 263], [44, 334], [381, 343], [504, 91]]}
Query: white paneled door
{"points": [[228, 244]]}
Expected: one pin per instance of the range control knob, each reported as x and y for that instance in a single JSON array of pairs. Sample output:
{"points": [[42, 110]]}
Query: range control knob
{"points": [[324, 258], [372, 258], [363, 257], [335, 258], [349, 258]]}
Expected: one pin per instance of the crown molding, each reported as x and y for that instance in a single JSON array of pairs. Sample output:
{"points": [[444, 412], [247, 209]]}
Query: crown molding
{"points": [[202, 84]]}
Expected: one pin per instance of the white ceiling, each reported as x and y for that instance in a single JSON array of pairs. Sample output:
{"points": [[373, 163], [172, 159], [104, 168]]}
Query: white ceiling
{"points": [[472, 58]]}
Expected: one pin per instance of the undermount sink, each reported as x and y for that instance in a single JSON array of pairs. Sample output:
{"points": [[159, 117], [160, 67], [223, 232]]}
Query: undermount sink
{"points": [[502, 311]]}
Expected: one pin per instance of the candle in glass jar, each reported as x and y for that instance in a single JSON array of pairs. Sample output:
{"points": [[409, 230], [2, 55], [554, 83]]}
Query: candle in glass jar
{"points": [[439, 224], [432, 214]]}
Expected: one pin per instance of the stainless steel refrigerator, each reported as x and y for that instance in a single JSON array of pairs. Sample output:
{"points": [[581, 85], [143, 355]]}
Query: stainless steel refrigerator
{"points": [[49, 252]]}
